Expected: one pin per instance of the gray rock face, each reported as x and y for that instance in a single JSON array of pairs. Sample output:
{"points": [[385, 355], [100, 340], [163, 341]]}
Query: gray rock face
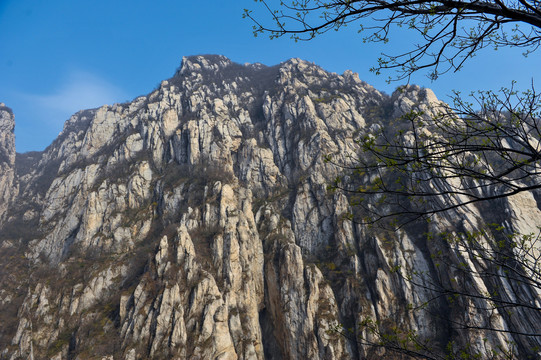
{"points": [[195, 223], [7, 158]]}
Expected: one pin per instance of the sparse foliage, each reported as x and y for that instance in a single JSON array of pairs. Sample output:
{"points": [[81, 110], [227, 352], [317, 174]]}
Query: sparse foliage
{"points": [[432, 160], [435, 162], [448, 32]]}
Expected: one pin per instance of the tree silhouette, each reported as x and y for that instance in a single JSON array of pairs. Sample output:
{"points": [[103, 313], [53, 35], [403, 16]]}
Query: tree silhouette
{"points": [[449, 32], [437, 157]]}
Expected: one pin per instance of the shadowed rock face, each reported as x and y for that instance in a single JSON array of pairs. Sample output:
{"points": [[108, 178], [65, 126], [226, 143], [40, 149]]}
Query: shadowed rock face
{"points": [[195, 222]]}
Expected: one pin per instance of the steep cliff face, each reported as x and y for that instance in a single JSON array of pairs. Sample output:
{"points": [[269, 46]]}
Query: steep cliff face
{"points": [[7, 158], [195, 222]]}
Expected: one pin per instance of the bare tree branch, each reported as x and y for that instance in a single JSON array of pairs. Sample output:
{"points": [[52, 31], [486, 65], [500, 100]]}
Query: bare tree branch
{"points": [[451, 31]]}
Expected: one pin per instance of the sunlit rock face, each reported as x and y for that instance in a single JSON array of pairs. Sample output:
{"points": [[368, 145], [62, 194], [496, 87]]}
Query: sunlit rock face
{"points": [[195, 223], [7, 158]]}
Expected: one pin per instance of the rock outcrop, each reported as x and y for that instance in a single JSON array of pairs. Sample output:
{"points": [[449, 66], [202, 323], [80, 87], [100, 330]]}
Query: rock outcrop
{"points": [[195, 223], [7, 158]]}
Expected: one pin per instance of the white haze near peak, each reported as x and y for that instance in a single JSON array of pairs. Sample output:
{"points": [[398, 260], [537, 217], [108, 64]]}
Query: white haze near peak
{"points": [[80, 90]]}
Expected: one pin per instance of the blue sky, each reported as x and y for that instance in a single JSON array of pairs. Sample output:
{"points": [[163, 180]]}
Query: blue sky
{"points": [[60, 56]]}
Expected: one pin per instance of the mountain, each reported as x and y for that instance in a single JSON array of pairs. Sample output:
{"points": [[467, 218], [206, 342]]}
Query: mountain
{"points": [[7, 157], [195, 223]]}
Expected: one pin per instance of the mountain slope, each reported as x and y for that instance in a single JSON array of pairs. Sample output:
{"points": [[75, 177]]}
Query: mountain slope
{"points": [[195, 222]]}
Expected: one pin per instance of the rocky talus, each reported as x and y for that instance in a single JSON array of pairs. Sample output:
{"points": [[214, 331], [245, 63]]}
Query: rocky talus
{"points": [[195, 223]]}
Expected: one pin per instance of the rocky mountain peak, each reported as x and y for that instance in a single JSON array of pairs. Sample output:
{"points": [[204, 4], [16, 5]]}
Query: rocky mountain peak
{"points": [[198, 63], [7, 157], [413, 97], [196, 222], [7, 135]]}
